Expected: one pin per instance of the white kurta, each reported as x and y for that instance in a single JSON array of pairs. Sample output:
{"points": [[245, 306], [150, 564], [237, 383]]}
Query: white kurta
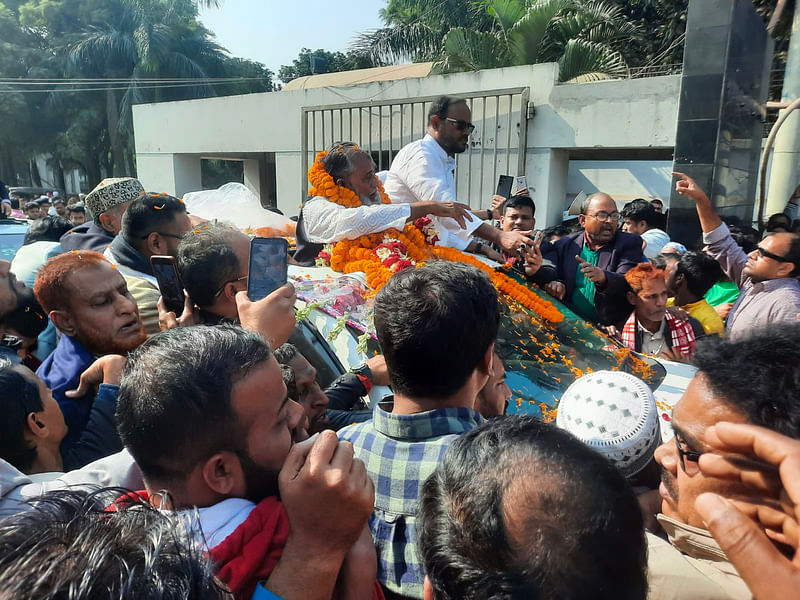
{"points": [[421, 172], [327, 222]]}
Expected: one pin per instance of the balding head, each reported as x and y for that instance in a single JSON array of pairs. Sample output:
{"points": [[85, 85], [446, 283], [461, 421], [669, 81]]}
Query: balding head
{"points": [[599, 218]]}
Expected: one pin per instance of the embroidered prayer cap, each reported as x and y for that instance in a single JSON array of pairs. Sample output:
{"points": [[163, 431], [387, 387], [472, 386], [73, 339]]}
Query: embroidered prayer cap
{"points": [[111, 192], [615, 414]]}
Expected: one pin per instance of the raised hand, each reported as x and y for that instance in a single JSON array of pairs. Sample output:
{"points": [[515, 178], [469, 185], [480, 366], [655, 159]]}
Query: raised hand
{"points": [[167, 319], [272, 317], [686, 186], [532, 256], [509, 241], [497, 202], [771, 469]]}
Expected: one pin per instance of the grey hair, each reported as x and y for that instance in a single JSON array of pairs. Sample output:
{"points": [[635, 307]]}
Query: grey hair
{"points": [[340, 160]]}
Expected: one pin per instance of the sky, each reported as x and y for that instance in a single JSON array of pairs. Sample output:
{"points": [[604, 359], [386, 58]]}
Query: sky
{"points": [[274, 32]]}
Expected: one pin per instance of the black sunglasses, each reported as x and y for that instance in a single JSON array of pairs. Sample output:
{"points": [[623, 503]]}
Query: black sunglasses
{"points": [[768, 254], [461, 124], [689, 455]]}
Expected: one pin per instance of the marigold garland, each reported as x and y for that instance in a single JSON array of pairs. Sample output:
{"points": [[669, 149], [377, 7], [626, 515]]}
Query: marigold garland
{"points": [[323, 185], [405, 249]]}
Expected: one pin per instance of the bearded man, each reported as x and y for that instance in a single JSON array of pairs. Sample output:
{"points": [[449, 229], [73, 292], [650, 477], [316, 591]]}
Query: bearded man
{"points": [[13, 294], [88, 301], [323, 221]]}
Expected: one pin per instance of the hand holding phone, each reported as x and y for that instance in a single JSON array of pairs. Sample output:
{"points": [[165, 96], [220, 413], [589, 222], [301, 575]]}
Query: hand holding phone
{"points": [[165, 269], [522, 184], [504, 184], [269, 266]]}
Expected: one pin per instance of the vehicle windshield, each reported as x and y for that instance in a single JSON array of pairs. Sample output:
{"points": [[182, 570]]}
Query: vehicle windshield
{"points": [[11, 241], [542, 359]]}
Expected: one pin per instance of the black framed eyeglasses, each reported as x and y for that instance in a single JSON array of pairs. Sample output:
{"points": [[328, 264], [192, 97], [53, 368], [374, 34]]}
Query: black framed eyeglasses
{"points": [[162, 234], [222, 289], [688, 455], [461, 124], [768, 254], [604, 216]]}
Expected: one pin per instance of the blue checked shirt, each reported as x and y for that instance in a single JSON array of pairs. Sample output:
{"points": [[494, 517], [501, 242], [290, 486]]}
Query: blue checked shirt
{"points": [[400, 452]]}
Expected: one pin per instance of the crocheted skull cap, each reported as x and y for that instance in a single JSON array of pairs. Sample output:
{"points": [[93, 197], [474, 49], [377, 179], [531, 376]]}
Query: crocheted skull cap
{"points": [[111, 192], [615, 414]]}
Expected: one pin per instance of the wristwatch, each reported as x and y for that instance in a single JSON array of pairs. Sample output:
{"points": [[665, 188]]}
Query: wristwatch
{"points": [[362, 370], [489, 214]]}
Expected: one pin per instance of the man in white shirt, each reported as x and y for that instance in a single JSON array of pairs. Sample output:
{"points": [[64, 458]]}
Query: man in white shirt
{"points": [[325, 221], [423, 171]]}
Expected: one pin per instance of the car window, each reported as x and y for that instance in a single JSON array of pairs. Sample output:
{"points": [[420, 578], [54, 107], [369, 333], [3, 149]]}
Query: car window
{"points": [[313, 346], [542, 359], [10, 242]]}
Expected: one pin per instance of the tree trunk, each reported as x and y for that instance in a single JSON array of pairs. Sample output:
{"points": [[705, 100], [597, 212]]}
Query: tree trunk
{"points": [[117, 146], [33, 169], [58, 170]]}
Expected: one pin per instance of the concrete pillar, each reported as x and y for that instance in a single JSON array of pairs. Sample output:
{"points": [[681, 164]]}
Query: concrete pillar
{"points": [[173, 174], [289, 177], [252, 176], [546, 170], [785, 171]]}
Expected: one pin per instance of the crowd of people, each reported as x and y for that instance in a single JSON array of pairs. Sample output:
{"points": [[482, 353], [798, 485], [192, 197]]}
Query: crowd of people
{"points": [[150, 454]]}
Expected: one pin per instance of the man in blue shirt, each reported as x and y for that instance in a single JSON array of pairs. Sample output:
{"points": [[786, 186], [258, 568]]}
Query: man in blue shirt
{"points": [[437, 326], [88, 301]]}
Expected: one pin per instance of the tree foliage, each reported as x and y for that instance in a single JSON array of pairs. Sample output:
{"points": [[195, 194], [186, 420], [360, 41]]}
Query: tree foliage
{"points": [[127, 41], [334, 63], [585, 37]]}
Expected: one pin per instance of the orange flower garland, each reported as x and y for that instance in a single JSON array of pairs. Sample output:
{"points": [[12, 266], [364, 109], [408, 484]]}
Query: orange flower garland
{"points": [[323, 185], [506, 285], [350, 256]]}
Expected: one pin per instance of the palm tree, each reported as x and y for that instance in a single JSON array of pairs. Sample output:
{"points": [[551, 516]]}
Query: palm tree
{"points": [[582, 36], [145, 39]]}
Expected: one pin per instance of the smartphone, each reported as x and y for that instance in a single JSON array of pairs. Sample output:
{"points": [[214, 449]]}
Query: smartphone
{"points": [[504, 184], [269, 266], [537, 236], [165, 268], [522, 183]]}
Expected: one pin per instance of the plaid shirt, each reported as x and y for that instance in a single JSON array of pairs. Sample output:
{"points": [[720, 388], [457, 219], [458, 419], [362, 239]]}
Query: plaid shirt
{"points": [[400, 452]]}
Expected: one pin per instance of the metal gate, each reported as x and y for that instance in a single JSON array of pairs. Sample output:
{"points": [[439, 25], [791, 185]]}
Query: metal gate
{"points": [[496, 147]]}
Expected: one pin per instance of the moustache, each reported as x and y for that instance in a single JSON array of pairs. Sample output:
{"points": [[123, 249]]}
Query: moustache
{"points": [[668, 479]]}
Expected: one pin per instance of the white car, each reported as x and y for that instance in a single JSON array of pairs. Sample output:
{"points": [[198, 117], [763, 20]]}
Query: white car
{"points": [[541, 359]]}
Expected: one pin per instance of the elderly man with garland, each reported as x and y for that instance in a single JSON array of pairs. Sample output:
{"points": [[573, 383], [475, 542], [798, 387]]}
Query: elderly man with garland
{"points": [[349, 201]]}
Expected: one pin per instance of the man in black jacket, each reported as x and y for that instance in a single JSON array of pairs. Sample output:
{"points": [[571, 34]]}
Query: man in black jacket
{"points": [[107, 204], [590, 265]]}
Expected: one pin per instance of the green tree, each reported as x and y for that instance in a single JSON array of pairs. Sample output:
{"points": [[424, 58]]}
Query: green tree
{"points": [[334, 63], [127, 42], [584, 36]]}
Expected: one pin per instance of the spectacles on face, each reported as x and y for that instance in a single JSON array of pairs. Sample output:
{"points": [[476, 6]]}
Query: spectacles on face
{"points": [[768, 254], [461, 124], [688, 455], [162, 234], [603, 216], [222, 289]]}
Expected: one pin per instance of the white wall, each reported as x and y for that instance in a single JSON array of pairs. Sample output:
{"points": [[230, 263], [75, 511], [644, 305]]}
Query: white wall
{"points": [[623, 114]]}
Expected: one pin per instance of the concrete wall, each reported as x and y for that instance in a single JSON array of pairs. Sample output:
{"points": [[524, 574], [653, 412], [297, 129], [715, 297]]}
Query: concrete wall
{"points": [[590, 117]]}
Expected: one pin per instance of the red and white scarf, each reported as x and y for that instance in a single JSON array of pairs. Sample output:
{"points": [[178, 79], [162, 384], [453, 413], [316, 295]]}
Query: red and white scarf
{"points": [[681, 334]]}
